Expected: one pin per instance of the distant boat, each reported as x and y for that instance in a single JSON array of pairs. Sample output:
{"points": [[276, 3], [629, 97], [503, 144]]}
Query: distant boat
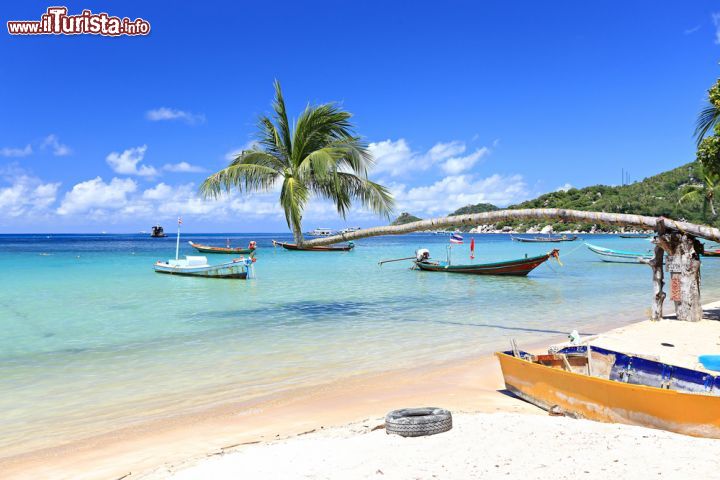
{"points": [[634, 235], [329, 248], [321, 232], [157, 232], [711, 253], [519, 267], [349, 229], [547, 239], [226, 250], [611, 386], [618, 256], [195, 266]]}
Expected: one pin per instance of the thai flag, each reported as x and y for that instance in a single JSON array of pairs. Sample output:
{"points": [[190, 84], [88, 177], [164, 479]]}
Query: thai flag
{"points": [[456, 238], [179, 221]]}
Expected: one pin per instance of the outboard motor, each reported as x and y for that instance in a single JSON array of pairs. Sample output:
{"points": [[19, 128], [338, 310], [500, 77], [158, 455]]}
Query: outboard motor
{"points": [[422, 254]]}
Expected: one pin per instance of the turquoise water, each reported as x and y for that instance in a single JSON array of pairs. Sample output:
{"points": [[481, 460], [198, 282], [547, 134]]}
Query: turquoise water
{"points": [[92, 339]]}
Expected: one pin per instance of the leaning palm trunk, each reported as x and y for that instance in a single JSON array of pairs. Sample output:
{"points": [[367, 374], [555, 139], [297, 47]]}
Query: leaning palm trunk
{"points": [[679, 244], [616, 219]]}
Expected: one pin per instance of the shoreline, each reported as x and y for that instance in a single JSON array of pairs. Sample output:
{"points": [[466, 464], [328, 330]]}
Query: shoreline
{"points": [[469, 384]]}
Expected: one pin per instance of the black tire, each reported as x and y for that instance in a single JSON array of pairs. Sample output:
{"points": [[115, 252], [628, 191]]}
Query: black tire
{"points": [[418, 422]]}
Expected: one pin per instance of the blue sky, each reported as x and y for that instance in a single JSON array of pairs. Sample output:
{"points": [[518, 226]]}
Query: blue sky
{"points": [[462, 102]]}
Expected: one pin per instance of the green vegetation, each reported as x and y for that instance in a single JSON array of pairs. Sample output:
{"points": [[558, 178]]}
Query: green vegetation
{"points": [[404, 218], [319, 155], [477, 208], [654, 196]]}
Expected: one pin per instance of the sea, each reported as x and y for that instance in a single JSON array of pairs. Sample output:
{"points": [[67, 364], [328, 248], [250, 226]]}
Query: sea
{"points": [[92, 339]]}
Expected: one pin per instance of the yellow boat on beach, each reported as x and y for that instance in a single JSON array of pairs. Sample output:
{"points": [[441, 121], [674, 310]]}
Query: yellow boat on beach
{"points": [[614, 387]]}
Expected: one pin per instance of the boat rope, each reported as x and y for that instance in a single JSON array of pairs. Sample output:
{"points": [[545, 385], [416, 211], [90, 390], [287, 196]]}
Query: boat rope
{"points": [[565, 255]]}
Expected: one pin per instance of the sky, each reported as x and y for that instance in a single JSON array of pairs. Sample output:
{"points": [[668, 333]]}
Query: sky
{"points": [[460, 103]]}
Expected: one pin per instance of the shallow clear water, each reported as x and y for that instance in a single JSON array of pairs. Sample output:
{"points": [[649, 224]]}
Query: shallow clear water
{"points": [[92, 339]]}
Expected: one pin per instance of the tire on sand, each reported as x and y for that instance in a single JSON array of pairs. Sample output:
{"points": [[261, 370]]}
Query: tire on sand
{"points": [[418, 422]]}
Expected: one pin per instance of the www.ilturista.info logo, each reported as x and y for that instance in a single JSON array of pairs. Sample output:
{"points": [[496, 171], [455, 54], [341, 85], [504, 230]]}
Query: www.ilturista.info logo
{"points": [[56, 21]]}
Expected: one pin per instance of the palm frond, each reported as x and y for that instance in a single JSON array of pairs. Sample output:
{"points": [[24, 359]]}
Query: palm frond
{"points": [[251, 171], [707, 119], [269, 139], [281, 119], [345, 187]]}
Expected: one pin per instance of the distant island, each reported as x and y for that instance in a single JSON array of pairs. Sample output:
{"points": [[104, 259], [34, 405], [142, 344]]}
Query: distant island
{"points": [[653, 196], [405, 218]]}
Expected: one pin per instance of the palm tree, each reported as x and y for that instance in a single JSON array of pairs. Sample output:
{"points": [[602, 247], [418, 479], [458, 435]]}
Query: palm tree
{"points": [[709, 117], [704, 193], [319, 155]]}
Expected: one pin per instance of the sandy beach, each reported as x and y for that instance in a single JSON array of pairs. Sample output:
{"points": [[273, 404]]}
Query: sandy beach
{"points": [[291, 436], [481, 445]]}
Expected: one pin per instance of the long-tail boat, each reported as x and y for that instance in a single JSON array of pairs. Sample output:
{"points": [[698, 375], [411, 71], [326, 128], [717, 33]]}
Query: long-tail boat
{"points": [[618, 256], [610, 386], [520, 267], [226, 250], [548, 239], [329, 248], [711, 253], [195, 266], [634, 235]]}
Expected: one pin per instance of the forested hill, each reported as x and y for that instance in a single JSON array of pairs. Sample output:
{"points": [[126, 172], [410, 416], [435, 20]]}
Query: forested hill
{"points": [[656, 195]]}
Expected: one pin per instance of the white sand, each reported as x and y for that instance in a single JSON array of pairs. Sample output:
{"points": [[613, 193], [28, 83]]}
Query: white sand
{"points": [[495, 445], [481, 445]]}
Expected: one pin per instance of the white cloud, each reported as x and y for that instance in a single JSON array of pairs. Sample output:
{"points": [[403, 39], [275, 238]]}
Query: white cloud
{"points": [[564, 188], [716, 22], [457, 165], [692, 30], [126, 163], [52, 141], [182, 167], [456, 191], [25, 195], [16, 152], [397, 158], [164, 113], [391, 157], [96, 196], [251, 145]]}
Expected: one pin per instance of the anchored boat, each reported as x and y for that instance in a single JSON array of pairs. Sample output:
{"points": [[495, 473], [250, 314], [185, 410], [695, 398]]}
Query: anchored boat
{"points": [[329, 248], [196, 266], [548, 239], [519, 267], [609, 386], [252, 246], [618, 256]]}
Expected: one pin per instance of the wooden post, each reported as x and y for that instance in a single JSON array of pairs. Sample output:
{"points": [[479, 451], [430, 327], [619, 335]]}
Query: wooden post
{"points": [[684, 267], [657, 272]]}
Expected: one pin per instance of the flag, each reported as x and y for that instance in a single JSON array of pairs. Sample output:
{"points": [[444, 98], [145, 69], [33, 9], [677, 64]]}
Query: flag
{"points": [[179, 221], [472, 248], [456, 238]]}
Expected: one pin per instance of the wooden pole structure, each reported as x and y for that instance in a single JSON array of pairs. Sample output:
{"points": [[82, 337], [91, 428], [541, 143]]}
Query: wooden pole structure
{"points": [[656, 264]]}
